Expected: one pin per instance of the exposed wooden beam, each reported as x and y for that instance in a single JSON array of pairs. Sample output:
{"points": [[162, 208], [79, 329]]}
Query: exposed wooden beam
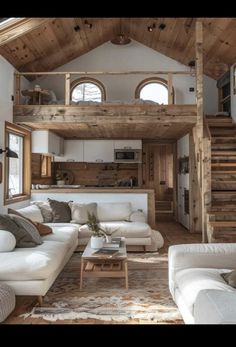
{"points": [[106, 73], [114, 114], [20, 27]]}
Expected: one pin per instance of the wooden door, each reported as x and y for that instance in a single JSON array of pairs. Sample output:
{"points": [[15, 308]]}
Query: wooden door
{"points": [[158, 173]]}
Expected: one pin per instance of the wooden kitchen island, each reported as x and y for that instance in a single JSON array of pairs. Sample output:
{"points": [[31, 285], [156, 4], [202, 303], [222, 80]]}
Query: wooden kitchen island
{"points": [[143, 199]]}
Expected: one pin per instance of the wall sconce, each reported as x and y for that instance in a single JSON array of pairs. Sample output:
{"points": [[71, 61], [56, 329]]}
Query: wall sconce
{"points": [[150, 28], [9, 153]]}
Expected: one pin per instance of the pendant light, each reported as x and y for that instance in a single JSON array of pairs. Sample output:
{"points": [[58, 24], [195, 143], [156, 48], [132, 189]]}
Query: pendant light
{"points": [[121, 38]]}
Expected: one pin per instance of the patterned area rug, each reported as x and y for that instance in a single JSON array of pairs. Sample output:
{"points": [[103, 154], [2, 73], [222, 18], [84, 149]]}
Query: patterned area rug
{"points": [[105, 300]]}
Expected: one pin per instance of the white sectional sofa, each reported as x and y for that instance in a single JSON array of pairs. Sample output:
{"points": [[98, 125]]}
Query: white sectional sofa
{"points": [[32, 271], [196, 284]]}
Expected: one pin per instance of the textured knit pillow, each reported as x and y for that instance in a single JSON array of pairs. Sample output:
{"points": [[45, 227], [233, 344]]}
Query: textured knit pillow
{"points": [[61, 211], [26, 235], [79, 212], [45, 210], [42, 229]]}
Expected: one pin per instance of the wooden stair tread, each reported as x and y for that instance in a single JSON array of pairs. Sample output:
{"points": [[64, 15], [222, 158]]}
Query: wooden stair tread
{"points": [[223, 153], [221, 224], [223, 164], [223, 172]]}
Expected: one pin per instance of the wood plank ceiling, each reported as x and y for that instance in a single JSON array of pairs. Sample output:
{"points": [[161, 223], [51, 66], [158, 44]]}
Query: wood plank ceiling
{"points": [[55, 42]]}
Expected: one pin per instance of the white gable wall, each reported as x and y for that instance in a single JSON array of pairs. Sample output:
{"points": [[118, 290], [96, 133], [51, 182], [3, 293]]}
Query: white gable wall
{"points": [[133, 57], [6, 114]]}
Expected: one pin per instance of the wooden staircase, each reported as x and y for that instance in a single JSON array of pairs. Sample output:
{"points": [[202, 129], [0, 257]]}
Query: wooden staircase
{"points": [[221, 218]]}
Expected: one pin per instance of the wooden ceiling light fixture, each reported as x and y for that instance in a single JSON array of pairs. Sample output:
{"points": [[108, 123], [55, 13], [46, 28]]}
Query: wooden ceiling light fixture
{"points": [[121, 38]]}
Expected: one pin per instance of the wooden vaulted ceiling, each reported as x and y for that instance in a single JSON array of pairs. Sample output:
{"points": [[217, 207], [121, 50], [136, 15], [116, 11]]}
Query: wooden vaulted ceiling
{"points": [[44, 44]]}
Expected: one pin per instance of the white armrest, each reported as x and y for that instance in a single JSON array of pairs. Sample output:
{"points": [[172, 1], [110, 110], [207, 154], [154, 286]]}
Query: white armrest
{"points": [[200, 255]]}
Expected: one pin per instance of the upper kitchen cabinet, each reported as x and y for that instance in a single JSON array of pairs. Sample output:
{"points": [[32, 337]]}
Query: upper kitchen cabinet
{"points": [[128, 144], [99, 151], [46, 142]]}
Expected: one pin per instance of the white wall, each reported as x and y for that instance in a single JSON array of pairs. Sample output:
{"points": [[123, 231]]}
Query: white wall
{"points": [[6, 114], [233, 96], [210, 93], [133, 57], [183, 180]]}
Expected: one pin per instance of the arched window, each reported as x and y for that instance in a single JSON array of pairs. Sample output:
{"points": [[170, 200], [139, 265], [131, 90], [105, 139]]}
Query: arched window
{"points": [[87, 89], [154, 89]]}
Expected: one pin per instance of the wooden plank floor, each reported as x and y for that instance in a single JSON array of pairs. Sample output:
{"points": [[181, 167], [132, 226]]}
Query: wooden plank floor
{"points": [[172, 232]]}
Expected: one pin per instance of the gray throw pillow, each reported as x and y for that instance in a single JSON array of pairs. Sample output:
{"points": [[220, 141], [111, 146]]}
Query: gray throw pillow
{"points": [[230, 278], [61, 211], [79, 212], [45, 210], [25, 232]]}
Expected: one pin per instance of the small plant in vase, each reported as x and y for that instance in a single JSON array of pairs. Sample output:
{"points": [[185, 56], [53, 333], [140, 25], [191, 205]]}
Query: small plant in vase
{"points": [[97, 239]]}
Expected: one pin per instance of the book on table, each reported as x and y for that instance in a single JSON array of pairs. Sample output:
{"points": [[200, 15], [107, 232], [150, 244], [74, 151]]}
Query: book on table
{"points": [[111, 245], [105, 253]]}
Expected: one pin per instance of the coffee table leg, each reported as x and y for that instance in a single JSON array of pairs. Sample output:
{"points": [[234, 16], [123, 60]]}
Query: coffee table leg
{"points": [[126, 275], [81, 273]]}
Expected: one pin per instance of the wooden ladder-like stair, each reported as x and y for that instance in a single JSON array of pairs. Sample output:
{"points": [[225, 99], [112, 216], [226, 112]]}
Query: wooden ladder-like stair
{"points": [[222, 214]]}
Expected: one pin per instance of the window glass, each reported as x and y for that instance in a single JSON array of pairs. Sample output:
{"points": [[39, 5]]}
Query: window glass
{"points": [[86, 92], [156, 92], [15, 171]]}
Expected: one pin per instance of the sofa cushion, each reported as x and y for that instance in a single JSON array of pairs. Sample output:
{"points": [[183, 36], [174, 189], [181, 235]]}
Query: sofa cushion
{"points": [[215, 307], [79, 212], [7, 241], [45, 209], [114, 211], [192, 280], [60, 210], [31, 212], [66, 234], [32, 264], [126, 229]]}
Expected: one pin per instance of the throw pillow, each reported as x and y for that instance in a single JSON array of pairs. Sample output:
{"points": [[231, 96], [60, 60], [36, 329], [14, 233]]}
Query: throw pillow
{"points": [[30, 229], [7, 241], [45, 210], [230, 278], [79, 212], [61, 211], [42, 229], [22, 236]]}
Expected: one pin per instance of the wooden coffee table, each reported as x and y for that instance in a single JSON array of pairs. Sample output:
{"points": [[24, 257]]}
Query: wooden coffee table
{"points": [[95, 266]]}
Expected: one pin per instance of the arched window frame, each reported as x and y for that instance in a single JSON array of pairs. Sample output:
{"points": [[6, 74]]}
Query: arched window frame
{"points": [[81, 80], [153, 80]]}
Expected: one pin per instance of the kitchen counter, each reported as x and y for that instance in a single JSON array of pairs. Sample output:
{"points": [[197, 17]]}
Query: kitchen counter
{"points": [[140, 198]]}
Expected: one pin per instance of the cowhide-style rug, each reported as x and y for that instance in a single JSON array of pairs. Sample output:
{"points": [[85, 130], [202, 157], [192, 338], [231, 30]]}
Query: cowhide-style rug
{"points": [[147, 300]]}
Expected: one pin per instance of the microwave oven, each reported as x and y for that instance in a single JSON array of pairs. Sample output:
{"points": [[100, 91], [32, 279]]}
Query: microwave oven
{"points": [[127, 156]]}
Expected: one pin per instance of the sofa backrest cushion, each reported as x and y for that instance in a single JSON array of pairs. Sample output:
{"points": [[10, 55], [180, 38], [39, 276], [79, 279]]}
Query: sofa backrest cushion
{"points": [[31, 212], [61, 211], [25, 232], [42, 228], [7, 241], [114, 211], [79, 212], [45, 209]]}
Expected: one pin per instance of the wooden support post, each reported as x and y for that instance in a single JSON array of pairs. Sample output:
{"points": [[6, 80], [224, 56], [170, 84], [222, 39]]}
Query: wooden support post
{"points": [[175, 182], [67, 89], [170, 89], [199, 125], [17, 88]]}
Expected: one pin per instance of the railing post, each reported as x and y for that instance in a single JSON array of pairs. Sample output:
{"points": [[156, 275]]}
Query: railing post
{"points": [[170, 89], [67, 89]]}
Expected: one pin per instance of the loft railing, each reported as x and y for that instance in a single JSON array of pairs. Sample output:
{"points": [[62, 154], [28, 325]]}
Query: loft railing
{"points": [[67, 79]]}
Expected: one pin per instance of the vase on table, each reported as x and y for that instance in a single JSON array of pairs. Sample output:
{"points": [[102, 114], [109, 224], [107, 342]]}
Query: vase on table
{"points": [[97, 241]]}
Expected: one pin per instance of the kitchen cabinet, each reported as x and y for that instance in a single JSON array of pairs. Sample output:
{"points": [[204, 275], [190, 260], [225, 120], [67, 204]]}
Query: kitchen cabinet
{"points": [[127, 144], [99, 151], [46, 142]]}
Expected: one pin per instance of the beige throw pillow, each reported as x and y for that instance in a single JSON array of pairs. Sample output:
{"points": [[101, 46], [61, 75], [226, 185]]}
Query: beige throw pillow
{"points": [[79, 212], [230, 278]]}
